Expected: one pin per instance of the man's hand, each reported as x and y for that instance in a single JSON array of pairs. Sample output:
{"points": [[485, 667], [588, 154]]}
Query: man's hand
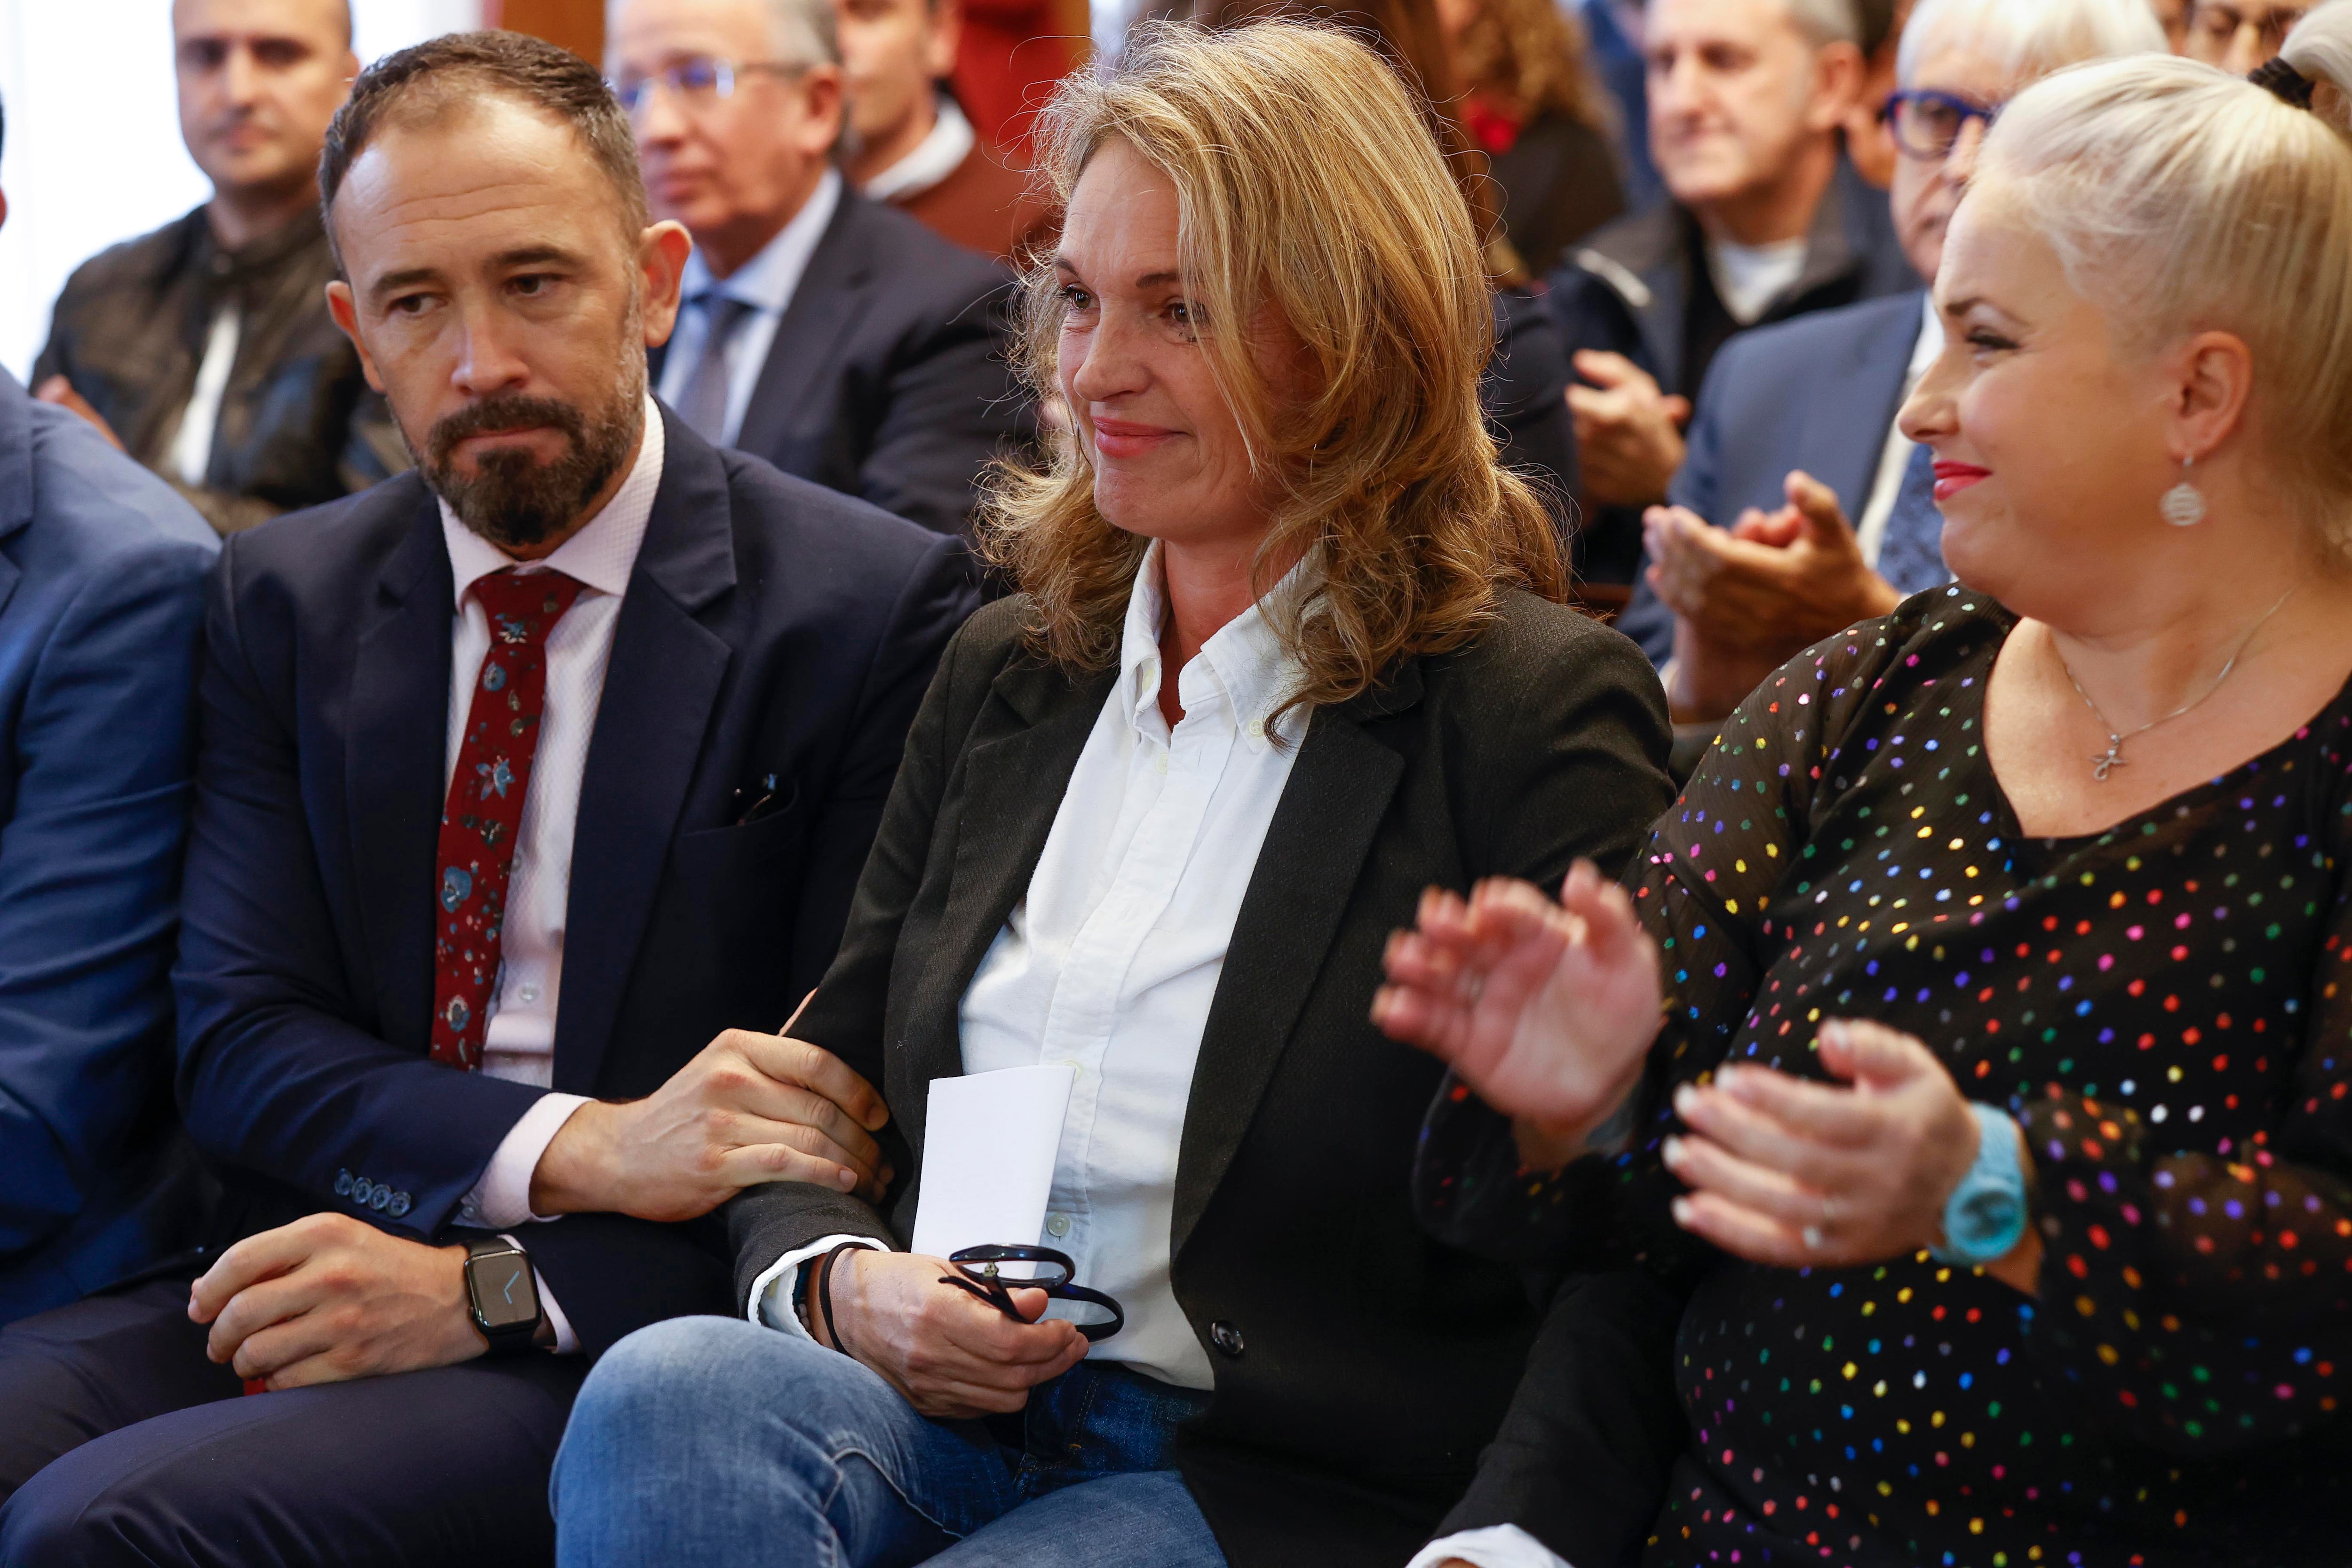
{"points": [[329, 1298], [748, 1108], [1749, 598], [60, 391], [951, 1354], [1629, 435]]}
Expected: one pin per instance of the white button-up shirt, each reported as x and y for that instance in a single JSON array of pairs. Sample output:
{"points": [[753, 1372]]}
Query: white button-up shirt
{"points": [[1111, 961], [519, 1037]]}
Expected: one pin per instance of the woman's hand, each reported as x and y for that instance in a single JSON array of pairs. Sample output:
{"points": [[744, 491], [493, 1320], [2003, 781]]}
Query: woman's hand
{"points": [[1546, 1010], [1797, 1173], [951, 1354]]}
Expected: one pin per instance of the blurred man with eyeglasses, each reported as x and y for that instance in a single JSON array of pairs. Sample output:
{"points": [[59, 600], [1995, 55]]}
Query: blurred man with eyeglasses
{"points": [[1755, 558], [2240, 35], [841, 341], [205, 349]]}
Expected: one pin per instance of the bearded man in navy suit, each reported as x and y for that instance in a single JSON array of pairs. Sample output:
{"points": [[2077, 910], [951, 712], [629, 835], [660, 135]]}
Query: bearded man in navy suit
{"points": [[531, 788]]}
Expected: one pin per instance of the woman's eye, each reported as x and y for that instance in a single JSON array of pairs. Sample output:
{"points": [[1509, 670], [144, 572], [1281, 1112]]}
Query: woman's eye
{"points": [[1075, 298], [1991, 342]]}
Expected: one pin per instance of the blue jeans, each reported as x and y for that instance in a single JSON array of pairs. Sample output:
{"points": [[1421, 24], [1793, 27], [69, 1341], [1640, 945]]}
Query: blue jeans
{"points": [[714, 1442]]}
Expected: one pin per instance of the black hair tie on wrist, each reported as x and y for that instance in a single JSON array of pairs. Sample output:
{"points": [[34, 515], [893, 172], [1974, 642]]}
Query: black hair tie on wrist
{"points": [[2285, 82], [824, 1286]]}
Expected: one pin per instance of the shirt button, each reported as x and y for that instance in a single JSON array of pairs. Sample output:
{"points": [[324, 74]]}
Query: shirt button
{"points": [[526, 993], [1227, 1339], [1057, 1225], [1255, 730]]}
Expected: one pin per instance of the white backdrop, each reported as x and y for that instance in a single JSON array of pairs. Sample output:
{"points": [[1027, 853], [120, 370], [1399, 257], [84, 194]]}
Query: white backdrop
{"points": [[93, 151]]}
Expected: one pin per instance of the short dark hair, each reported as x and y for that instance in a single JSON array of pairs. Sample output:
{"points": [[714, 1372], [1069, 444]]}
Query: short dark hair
{"points": [[427, 79]]}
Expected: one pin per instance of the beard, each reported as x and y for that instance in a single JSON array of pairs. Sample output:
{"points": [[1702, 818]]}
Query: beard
{"points": [[513, 499]]}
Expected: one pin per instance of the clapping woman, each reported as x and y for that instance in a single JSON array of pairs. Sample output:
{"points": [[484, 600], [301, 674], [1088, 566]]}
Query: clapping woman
{"points": [[1998, 1119]]}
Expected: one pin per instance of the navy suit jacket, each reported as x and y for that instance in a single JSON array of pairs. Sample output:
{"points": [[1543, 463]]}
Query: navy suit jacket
{"points": [[1818, 393], [887, 377], [101, 595], [769, 627]]}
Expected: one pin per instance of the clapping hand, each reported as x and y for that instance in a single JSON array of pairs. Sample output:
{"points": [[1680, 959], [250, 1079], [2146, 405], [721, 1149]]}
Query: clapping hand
{"points": [[1628, 434], [1546, 1011]]}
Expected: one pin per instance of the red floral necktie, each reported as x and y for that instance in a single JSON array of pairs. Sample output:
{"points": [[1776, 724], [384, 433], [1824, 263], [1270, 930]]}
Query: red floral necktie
{"points": [[484, 814]]}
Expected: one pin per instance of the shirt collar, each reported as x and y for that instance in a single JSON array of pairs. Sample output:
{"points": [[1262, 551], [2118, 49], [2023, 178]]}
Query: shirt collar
{"points": [[1930, 343], [934, 158], [602, 554], [1246, 660], [768, 282]]}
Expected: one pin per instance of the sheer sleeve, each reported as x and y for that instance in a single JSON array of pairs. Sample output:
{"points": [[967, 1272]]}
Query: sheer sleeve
{"points": [[2203, 1302], [1738, 840]]}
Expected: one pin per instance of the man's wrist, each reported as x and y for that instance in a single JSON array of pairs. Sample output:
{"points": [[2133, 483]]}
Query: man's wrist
{"points": [[572, 1172]]}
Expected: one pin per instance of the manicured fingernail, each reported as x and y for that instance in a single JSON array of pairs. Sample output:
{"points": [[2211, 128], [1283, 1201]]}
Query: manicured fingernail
{"points": [[1685, 1101], [1683, 1209], [1670, 1152]]}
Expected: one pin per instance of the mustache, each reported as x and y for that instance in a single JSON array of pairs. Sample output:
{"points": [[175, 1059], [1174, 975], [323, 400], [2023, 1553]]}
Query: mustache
{"points": [[503, 411]]}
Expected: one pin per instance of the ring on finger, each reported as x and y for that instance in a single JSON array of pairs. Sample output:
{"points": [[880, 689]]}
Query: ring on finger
{"points": [[1813, 1237]]}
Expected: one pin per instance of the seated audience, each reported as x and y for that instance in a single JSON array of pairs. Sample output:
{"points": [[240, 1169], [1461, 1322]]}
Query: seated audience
{"points": [[205, 349], [1157, 818], [913, 146], [541, 774], [2239, 34], [1529, 104], [1757, 558], [840, 341], [102, 568], [1995, 1126], [1767, 221]]}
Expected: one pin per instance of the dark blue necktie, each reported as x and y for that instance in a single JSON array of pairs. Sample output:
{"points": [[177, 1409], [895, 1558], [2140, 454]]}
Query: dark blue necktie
{"points": [[1911, 555], [702, 401]]}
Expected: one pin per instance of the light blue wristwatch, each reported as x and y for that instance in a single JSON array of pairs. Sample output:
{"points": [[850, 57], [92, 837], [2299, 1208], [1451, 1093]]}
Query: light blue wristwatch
{"points": [[1985, 1217]]}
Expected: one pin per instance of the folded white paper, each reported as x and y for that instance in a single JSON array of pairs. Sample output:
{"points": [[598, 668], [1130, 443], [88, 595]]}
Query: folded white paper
{"points": [[989, 1144]]}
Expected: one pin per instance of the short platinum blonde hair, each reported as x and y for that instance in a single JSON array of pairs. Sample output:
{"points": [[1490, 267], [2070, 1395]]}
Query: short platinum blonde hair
{"points": [[799, 32], [2029, 38], [2180, 199]]}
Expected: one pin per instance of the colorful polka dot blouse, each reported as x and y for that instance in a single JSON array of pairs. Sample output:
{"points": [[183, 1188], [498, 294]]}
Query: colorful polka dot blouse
{"points": [[2158, 1005]]}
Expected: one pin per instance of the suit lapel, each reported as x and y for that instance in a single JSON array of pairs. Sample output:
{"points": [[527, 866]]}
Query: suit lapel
{"points": [[828, 302], [1339, 791], [395, 764], [660, 686], [15, 473], [1012, 788], [1846, 427]]}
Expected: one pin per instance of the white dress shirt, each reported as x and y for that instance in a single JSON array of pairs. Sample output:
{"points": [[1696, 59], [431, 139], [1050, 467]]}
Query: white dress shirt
{"points": [[191, 445], [1749, 278], [940, 153], [767, 283], [1896, 455], [519, 1035], [1111, 961]]}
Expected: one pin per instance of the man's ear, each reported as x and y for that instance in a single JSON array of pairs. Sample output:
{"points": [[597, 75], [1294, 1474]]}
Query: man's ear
{"points": [[344, 309], [828, 105], [1839, 70], [946, 39], [662, 250], [2211, 379]]}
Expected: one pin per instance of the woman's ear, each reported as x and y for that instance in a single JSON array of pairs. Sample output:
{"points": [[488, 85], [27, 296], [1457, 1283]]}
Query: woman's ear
{"points": [[2212, 379]]}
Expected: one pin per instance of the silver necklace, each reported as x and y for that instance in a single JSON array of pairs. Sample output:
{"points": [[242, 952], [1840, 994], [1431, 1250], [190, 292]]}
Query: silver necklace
{"points": [[2106, 762]]}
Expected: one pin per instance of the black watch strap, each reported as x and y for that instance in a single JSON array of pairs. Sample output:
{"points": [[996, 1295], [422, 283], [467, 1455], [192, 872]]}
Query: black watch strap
{"points": [[503, 1294]]}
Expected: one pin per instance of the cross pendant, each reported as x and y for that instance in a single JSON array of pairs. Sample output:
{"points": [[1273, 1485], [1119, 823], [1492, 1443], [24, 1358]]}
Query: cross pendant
{"points": [[2111, 759]]}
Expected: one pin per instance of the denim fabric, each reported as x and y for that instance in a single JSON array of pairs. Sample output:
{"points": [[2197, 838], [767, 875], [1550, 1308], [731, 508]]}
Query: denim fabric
{"points": [[711, 1441]]}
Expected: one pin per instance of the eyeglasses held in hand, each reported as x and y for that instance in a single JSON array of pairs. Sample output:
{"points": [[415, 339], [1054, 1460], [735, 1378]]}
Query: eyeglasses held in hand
{"points": [[694, 84], [977, 1271], [1928, 123]]}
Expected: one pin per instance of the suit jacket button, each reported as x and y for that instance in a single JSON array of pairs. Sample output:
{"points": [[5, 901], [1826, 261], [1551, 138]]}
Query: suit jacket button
{"points": [[381, 1200], [342, 1184], [1227, 1339], [400, 1204], [361, 1191]]}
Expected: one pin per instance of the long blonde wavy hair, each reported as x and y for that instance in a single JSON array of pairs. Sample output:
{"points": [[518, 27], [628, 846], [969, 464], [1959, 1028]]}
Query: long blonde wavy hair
{"points": [[1307, 187]]}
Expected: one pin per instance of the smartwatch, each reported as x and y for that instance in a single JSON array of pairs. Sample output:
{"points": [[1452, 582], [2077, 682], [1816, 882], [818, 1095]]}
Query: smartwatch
{"points": [[503, 1293], [1984, 1219]]}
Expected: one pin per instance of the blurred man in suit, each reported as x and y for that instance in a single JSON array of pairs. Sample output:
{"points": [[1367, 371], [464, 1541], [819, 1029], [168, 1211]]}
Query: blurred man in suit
{"points": [[1795, 432], [914, 147], [840, 339], [101, 590], [1767, 221], [205, 349], [530, 791]]}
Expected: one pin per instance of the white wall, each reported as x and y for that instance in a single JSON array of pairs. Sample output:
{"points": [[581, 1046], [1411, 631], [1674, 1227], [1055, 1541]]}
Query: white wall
{"points": [[93, 151]]}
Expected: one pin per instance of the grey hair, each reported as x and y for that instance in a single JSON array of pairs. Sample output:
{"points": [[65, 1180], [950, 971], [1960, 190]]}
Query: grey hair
{"points": [[1827, 22], [2029, 38], [799, 32]]}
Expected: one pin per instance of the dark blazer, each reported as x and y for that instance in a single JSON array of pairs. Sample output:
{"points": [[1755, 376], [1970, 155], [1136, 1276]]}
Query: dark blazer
{"points": [[1819, 392], [101, 597], [770, 627], [888, 378], [1628, 290], [1360, 1365], [1525, 397], [1559, 183]]}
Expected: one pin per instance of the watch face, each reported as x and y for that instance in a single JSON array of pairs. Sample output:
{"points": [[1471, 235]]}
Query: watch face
{"points": [[503, 1289]]}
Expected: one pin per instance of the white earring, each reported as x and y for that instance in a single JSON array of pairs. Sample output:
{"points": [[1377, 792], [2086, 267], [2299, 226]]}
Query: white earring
{"points": [[2184, 504]]}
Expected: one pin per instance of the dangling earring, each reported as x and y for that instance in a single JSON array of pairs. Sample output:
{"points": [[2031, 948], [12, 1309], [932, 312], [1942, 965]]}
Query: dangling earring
{"points": [[2184, 504]]}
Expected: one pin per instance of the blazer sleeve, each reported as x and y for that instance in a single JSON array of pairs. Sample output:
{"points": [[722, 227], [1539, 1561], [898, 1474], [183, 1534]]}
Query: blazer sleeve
{"points": [[953, 406], [1697, 485], [89, 875], [846, 1016], [280, 1072], [1525, 397]]}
